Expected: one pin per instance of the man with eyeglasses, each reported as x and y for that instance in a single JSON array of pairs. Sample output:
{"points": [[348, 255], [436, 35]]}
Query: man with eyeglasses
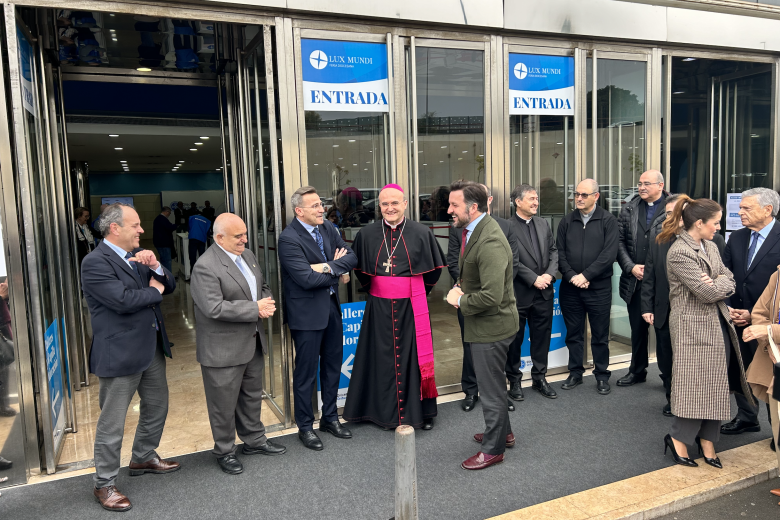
{"points": [[635, 223], [399, 263], [587, 246], [313, 257]]}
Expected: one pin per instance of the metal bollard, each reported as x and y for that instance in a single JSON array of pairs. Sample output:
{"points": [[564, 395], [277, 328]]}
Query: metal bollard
{"points": [[405, 474]]}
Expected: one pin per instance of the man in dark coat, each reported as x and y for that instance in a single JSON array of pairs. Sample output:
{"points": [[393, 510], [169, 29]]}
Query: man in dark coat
{"points": [[635, 221]]}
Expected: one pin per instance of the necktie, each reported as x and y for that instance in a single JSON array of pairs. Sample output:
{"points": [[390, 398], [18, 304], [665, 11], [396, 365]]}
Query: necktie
{"points": [[752, 249], [251, 283], [128, 256], [463, 241], [321, 245]]}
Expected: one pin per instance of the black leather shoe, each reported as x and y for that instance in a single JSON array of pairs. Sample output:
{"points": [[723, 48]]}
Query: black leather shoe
{"points": [[602, 387], [269, 448], [772, 445], [469, 402], [510, 405], [544, 388], [310, 440], [667, 411], [230, 464], [516, 391], [738, 426], [336, 429], [571, 382], [5, 463], [631, 379], [428, 424]]}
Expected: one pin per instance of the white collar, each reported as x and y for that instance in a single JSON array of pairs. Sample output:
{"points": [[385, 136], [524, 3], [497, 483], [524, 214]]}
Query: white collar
{"points": [[232, 256], [392, 226]]}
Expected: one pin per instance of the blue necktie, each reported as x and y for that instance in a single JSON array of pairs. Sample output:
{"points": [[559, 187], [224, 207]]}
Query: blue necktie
{"points": [[752, 249], [320, 243], [128, 256]]}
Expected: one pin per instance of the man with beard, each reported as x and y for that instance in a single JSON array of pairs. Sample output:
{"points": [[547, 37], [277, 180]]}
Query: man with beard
{"points": [[399, 262]]}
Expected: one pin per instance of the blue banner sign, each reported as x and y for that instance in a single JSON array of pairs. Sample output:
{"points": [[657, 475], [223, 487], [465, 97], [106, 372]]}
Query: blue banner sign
{"points": [[351, 321], [54, 375], [541, 84], [340, 76], [559, 353], [26, 76]]}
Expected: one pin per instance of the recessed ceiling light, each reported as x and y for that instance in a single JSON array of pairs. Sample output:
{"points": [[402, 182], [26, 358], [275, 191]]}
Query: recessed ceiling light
{"points": [[113, 135], [465, 151], [315, 164], [193, 149], [351, 140], [689, 59], [218, 169], [425, 164], [125, 162], [115, 39], [144, 69], [118, 148], [335, 146], [558, 143], [365, 169], [341, 158], [678, 92], [441, 161], [112, 14], [356, 164], [181, 162], [204, 137], [198, 144], [445, 146]]}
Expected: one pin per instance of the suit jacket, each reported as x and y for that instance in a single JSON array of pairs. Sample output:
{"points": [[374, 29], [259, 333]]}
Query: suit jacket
{"points": [[307, 292], [751, 282], [631, 229], [123, 309], [456, 236], [528, 267], [226, 317], [488, 303]]}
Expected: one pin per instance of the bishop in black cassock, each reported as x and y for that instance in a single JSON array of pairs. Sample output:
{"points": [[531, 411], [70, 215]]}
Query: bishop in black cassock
{"points": [[392, 381]]}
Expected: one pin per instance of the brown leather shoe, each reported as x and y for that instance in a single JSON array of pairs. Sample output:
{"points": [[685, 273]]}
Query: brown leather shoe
{"points": [[776, 492], [111, 499], [155, 465], [510, 439], [482, 461]]}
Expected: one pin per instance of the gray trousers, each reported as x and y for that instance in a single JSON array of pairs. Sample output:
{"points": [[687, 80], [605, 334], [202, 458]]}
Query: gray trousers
{"points": [[489, 362], [115, 396], [234, 398], [686, 430]]}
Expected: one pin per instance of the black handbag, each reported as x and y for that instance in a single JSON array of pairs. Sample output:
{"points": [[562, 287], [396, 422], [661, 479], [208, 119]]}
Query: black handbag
{"points": [[6, 351]]}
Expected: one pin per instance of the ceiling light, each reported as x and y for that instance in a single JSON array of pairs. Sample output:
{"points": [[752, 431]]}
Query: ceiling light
{"points": [[678, 92], [204, 137], [198, 144], [181, 162], [335, 146], [112, 14], [689, 59], [441, 161], [144, 69], [123, 162], [365, 169], [113, 135], [353, 164], [193, 149], [351, 140], [117, 148], [341, 158], [115, 39], [444, 146], [558, 143], [754, 135], [425, 164], [315, 164]]}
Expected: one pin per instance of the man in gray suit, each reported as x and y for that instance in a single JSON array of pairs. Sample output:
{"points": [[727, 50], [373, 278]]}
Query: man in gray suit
{"points": [[231, 300]]}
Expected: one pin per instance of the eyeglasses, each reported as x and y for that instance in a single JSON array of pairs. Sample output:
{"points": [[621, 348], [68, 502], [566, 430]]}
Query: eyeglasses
{"points": [[393, 204], [583, 195], [645, 184]]}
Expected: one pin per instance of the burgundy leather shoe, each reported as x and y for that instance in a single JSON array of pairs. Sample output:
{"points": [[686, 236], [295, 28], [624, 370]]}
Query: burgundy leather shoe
{"points": [[111, 499], [510, 439], [155, 465], [482, 461]]}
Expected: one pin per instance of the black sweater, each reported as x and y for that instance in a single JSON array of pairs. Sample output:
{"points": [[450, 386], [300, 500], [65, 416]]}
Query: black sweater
{"points": [[589, 249]]}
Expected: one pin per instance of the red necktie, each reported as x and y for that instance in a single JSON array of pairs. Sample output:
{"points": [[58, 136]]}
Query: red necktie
{"points": [[463, 241]]}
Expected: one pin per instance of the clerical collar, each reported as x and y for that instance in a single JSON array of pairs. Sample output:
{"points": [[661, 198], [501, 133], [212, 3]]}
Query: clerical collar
{"points": [[526, 220], [392, 226], [587, 215], [655, 201]]}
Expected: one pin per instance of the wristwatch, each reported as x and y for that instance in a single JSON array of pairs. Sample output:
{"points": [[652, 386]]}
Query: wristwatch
{"points": [[326, 269]]}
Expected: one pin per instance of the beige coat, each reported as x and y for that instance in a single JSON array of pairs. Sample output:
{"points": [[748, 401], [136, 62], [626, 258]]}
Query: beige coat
{"points": [[700, 379], [759, 374]]}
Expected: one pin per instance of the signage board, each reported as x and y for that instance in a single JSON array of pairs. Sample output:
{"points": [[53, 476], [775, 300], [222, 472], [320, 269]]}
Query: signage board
{"points": [[733, 222], [351, 321], [342, 76], [26, 71], [54, 376], [541, 85]]}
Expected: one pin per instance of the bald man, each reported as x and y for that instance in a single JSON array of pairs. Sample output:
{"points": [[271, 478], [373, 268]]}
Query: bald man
{"points": [[231, 300], [634, 224]]}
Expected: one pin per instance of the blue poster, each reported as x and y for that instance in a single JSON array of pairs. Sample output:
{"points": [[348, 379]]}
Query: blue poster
{"points": [[54, 376], [559, 354], [26, 71], [344, 76], [541, 84], [351, 320]]}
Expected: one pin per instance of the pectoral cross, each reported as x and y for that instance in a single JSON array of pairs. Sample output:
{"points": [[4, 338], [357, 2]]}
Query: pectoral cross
{"points": [[387, 265]]}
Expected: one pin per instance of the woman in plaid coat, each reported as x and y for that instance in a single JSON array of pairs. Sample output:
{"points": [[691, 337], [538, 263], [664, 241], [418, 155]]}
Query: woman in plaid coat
{"points": [[707, 361]]}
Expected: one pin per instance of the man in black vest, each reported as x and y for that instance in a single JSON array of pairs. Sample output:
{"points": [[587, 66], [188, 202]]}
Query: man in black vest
{"points": [[634, 225], [534, 287], [752, 254]]}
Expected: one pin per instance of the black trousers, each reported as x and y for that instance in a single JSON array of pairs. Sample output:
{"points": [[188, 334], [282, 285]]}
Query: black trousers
{"points": [[318, 348], [663, 350], [596, 304], [640, 330], [538, 315], [195, 249]]}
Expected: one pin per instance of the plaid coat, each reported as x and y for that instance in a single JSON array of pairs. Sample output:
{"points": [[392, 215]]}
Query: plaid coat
{"points": [[701, 381]]}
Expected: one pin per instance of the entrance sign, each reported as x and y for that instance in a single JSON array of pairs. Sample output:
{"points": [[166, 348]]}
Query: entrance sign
{"points": [[351, 321], [54, 376], [541, 85], [559, 353], [26, 70], [340, 76]]}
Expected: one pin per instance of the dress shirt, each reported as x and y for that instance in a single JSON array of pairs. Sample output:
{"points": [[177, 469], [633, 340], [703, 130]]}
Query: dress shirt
{"points": [[761, 237], [586, 218], [122, 253]]}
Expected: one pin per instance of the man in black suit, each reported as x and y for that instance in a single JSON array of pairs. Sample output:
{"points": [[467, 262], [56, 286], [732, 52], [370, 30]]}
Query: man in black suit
{"points": [[468, 378], [752, 254], [123, 285], [534, 287], [313, 257], [209, 211]]}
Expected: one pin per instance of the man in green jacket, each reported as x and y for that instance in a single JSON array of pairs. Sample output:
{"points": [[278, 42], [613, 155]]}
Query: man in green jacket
{"points": [[485, 296]]}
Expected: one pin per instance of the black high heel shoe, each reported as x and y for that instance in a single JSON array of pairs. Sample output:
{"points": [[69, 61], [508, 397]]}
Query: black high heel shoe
{"points": [[682, 461], [715, 463]]}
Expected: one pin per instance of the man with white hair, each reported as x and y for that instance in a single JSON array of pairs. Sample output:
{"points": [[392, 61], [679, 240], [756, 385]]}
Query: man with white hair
{"points": [[752, 254]]}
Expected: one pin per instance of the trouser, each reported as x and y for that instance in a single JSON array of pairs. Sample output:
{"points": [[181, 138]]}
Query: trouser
{"points": [[165, 257], [195, 249], [325, 348], [640, 330], [489, 363], [5, 389], [686, 430], [596, 303], [234, 399], [747, 411], [538, 315], [663, 350], [114, 398]]}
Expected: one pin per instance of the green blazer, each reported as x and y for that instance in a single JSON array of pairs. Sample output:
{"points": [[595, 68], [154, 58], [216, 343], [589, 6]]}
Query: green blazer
{"points": [[488, 302]]}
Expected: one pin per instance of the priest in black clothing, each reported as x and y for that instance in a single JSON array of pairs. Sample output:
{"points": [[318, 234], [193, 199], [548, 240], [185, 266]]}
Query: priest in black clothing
{"points": [[399, 262]]}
